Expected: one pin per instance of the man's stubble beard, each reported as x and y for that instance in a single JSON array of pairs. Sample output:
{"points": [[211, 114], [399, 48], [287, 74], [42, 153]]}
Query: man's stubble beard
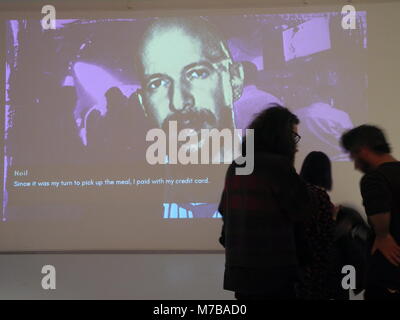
{"points": [[197, 120]]}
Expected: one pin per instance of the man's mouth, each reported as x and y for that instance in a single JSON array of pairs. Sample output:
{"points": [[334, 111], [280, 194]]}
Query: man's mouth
{"points": [[193, 124], [192, 132], [196, 120]]}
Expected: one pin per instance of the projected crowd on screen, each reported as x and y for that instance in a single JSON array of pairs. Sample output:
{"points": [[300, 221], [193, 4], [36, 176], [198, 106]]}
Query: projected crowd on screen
{"points": [[84, 96]]}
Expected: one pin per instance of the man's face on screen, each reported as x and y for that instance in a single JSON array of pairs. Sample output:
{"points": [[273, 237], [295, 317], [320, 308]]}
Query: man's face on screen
{"points": [[187, 81]]}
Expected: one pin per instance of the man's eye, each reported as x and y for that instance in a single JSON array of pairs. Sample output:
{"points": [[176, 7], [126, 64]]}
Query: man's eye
{"points": [[198, 74], [157, 83]]}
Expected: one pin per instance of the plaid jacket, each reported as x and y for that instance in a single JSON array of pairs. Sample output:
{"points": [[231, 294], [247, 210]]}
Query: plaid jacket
{"points": [[263, 215]]}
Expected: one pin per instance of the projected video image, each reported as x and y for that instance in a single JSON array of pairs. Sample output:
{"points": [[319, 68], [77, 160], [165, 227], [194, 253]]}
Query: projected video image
{"points": [[81, 99]]}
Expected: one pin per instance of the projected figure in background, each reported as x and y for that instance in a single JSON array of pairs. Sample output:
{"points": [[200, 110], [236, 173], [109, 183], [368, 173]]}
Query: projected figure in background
{"points": [[99, 72], [94, 131], [323, 125], [118, 122], [112, 135], [253, 99], [71, 146], [45, 131], [188, 76]]}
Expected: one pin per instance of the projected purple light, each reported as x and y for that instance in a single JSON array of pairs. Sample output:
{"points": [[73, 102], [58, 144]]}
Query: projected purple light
{"points": [[10, 63], [96, 81], [307, 38], [5, 193], [297, 62]]}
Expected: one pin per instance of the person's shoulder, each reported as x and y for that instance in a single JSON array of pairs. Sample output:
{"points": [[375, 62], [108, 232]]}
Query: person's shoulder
{"points": [[314, 188], [372, 178], [389, 167], [368, 177], [271, 158], [317, 191], [383, 174], [275, 168], [268, 165], [374, 174], [231, 169], [93, 112]]}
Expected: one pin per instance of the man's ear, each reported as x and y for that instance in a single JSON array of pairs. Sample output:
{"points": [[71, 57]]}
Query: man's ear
{"points": [[237, 79]]}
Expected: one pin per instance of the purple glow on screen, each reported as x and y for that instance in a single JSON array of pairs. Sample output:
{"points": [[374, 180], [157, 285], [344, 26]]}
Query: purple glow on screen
{"points": [[294, 55], [7, 111], [307, 38], [5, 193], [11, 61], [96, 81]]}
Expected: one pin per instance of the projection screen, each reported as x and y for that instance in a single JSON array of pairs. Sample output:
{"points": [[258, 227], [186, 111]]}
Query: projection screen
{"points": [[84, 168]]}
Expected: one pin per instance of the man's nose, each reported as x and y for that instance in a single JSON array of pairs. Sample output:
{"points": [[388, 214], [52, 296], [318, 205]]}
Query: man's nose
{"points": [[181, 98]]}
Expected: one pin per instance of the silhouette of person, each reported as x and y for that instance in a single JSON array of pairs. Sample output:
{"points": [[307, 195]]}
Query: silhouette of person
{"points": [[253, 99]]}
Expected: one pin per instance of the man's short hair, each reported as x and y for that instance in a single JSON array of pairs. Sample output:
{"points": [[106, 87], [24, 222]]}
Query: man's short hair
{"points": [[368, 136], [198, 26]]}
